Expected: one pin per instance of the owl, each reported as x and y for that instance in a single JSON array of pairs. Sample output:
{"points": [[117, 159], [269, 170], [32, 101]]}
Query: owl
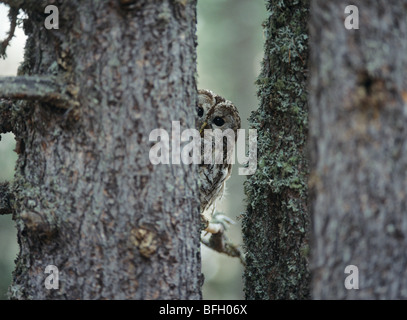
{"points": [[214, 112]]}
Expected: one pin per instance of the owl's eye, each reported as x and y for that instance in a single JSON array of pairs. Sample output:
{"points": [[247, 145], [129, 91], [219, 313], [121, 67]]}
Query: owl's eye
{"points": [[218, 121], [200, 112]]}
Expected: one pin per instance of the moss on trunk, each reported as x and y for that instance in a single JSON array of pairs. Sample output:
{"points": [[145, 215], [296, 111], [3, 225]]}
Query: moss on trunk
{"points": [[276, 223]]}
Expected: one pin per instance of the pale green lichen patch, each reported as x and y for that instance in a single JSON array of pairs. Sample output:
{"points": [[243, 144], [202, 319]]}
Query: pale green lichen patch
{"points": [[276, 222]]}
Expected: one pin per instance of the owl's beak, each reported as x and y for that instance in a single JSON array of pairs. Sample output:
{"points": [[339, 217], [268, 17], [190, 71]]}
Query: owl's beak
{"points": [[203, 127]]}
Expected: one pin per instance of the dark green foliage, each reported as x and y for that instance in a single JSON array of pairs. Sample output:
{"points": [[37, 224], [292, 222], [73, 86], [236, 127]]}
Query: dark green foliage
{"points": [[276, 224]]}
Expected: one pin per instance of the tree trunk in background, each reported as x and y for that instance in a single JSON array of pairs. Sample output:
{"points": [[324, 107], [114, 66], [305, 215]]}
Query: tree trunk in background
{"points": [[86, 197], [275, 228], [358, 100]]}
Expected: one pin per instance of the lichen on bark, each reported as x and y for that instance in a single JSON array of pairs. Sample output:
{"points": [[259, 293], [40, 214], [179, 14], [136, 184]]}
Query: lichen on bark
{"points": [[276, 223]]}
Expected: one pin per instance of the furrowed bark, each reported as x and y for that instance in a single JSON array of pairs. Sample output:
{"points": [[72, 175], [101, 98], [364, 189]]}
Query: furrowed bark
{"points": [[87, 198], [358, 99]]}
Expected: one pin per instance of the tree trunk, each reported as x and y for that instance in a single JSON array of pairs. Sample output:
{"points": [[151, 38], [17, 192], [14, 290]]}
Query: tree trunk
{"points": [[358, 99], [87, 199], [275, 227]]}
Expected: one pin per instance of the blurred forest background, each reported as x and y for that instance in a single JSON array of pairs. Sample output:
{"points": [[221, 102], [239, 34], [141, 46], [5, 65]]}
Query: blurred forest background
{"points": [[230, 51]]}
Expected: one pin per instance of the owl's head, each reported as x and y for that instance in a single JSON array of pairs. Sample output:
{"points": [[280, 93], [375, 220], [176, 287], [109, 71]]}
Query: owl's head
{"points": [[206, 100], [215, 112]]}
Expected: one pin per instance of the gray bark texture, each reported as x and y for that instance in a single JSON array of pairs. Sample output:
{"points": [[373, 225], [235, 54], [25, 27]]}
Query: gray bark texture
{"points": [[86, 197], [276, 224], [358, 103]]}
